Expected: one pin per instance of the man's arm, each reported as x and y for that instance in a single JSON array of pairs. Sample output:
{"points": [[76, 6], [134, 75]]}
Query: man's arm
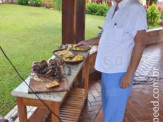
{"points": [[140, 42], [94, 41], [86, 44]]}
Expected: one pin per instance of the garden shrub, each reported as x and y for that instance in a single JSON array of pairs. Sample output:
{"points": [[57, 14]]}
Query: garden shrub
{"points": [[37, 3], [92, 8], [153, 15], [102, 9], [97, 9], [162, 14], [23, 2], [154, 0], [30, 2], [58, 4]]}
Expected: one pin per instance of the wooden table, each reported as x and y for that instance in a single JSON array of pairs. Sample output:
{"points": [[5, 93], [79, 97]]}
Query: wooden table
{"points": [[67, 105]]}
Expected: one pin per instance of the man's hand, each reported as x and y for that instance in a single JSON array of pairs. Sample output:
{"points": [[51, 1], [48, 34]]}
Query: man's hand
{"points": [[83, 44], [126, 81], [86, 44]]}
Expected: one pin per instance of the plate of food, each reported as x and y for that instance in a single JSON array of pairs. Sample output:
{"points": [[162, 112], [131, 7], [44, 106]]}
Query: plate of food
{"points": [[68, 56]]}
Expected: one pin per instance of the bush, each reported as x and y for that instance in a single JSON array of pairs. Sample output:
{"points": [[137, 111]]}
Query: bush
{"points": [[58, 4], [153, 15], [162, 14], [97, 9], [92, 8], [37, 2], [102, 9], [30, 2], [23, 2]]}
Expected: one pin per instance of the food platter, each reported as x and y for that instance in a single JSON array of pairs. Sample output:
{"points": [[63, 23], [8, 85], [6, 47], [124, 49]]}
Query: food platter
{"points": [[48, 77], [73, 47], [79, 49], [71, 61], [83, 50]]}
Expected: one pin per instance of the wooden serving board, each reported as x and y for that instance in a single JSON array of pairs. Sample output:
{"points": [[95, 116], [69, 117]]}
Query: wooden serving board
{"points": [[39, 86]]}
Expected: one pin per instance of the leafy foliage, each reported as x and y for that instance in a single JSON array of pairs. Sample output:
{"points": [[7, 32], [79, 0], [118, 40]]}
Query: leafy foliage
{"points": [[23, 2], [37, 2], [97, 9], [33, 2], [58, 4], [153, 15], [102, 9], [92, 8], [162, 14], [154, 0]]}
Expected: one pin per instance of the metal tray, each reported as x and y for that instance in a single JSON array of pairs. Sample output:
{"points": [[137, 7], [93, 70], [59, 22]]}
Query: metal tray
{"points": [[80, 50], [68, 62]]}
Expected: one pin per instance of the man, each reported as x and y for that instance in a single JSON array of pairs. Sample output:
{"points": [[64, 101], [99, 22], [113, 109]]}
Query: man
{"points": [[120, 49]]}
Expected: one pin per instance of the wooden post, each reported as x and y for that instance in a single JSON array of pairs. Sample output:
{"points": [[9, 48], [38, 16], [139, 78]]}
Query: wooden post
{"points": [[68, 21], [73, 21], [21, 110], [80, 25], [56, 109], [80, 20], [86, 74]]}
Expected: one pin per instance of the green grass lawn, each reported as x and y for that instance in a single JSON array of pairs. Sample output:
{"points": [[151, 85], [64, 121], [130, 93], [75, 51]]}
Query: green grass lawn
{"points": [[29, 34]]}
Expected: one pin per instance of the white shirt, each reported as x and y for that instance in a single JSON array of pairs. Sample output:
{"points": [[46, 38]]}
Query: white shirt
{"points": [[117, 40]]}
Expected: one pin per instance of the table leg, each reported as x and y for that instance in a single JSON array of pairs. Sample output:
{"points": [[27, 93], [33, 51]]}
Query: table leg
{"points": [[56, 109], [86, 74], [22, 111]]}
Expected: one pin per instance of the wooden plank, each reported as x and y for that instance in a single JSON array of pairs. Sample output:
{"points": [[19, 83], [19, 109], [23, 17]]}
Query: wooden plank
{"points": [[69, 109], [40, 115], [68, 21], [86, 74], [80, 20], [56, 109], [72, 106], [35, 102]]}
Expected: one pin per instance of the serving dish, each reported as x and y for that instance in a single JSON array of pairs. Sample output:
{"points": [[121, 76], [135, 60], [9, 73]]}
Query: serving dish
{"points": [[72, 58]]}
